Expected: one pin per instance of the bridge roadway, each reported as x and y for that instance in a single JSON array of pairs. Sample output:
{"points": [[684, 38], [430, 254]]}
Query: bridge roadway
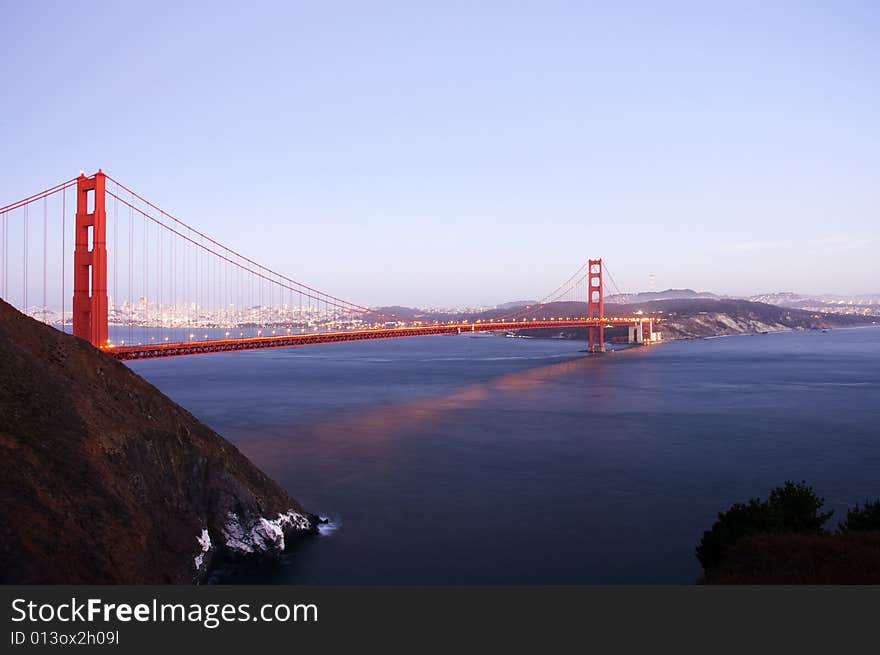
{"points": [[149, 351]]}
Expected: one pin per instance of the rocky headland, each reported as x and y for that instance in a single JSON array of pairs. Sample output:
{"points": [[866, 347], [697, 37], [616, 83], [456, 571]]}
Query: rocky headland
{"points": [[106, 480]]}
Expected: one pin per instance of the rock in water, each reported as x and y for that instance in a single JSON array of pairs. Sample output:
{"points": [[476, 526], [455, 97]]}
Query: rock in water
{"points": [[103, 479]]}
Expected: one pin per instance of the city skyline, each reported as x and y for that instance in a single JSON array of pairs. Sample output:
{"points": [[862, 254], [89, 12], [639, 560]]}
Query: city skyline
{"points": [[729, 150]]}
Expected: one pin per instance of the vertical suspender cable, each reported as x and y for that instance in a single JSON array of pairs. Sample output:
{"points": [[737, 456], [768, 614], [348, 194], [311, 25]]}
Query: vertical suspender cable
{"points": [[115, 256], [198, 288], [45, 226], [130, 268], [5, 259], [184, 265], [145, 283], [159, 294], [63, 257], [173, 269], [25, 264]]}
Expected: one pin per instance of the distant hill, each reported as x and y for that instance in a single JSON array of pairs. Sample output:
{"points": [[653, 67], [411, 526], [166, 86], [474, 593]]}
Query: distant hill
{"points": [[700, 317], [515, 303], [867, 304], [668, 294], [392, 311], [686, 313], [688, 318]]}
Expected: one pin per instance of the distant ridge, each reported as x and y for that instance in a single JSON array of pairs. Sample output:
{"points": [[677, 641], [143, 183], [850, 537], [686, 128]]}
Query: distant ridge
{"points": [[865, 304], [515, 304], [668, 294]]}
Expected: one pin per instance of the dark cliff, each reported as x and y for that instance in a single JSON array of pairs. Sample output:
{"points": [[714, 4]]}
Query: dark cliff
{"points": [[103, 479]]}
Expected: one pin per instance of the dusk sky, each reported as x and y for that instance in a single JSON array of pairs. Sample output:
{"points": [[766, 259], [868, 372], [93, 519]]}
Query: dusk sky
{"points": [[471, 153]]}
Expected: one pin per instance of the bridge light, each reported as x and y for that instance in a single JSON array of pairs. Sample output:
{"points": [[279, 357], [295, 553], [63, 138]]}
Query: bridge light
{"points": [[191, 336], [227, 333]]}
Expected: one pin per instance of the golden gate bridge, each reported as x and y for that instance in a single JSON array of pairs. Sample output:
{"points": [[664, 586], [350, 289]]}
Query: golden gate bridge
{"points": [[142, 283]]}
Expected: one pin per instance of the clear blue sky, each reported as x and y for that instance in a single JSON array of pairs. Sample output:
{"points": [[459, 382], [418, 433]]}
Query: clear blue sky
{"points": [[465, 153]]}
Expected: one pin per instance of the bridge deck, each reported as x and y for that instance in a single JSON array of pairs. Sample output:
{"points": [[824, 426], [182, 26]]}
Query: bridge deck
{"points": [[148, 351]]}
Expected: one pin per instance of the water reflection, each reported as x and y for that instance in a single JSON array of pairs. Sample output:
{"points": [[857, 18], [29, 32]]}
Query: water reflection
{"points": [[375, 427]]}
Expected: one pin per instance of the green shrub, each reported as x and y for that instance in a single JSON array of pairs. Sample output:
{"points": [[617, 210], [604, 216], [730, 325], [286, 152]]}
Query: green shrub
{"points": [[791, 508], [862, 519]]}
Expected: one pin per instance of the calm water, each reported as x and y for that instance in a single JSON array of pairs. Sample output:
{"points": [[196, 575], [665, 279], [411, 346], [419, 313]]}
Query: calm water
{"points": [[490, 460]]}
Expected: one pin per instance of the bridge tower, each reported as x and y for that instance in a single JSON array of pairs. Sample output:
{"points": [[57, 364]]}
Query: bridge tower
{"points": [[90, 261], [595, 305]]}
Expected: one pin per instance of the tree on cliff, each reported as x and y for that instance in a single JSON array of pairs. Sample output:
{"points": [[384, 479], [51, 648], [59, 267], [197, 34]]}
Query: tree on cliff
{"points": [[791, 508], [862, 519]]}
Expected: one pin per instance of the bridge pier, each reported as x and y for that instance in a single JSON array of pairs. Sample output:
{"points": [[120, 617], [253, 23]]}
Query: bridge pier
{"points": [[639, 334], [636, 333]]}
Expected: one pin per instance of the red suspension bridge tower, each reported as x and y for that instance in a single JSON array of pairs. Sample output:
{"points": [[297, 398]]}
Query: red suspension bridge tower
{"points": [[90, 261], [595, 305]]}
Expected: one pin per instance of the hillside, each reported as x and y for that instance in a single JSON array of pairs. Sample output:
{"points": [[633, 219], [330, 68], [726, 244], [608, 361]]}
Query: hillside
{"points": [[686, 314], [866, 305], [690, 318], [687, 319], [106, 480]]}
